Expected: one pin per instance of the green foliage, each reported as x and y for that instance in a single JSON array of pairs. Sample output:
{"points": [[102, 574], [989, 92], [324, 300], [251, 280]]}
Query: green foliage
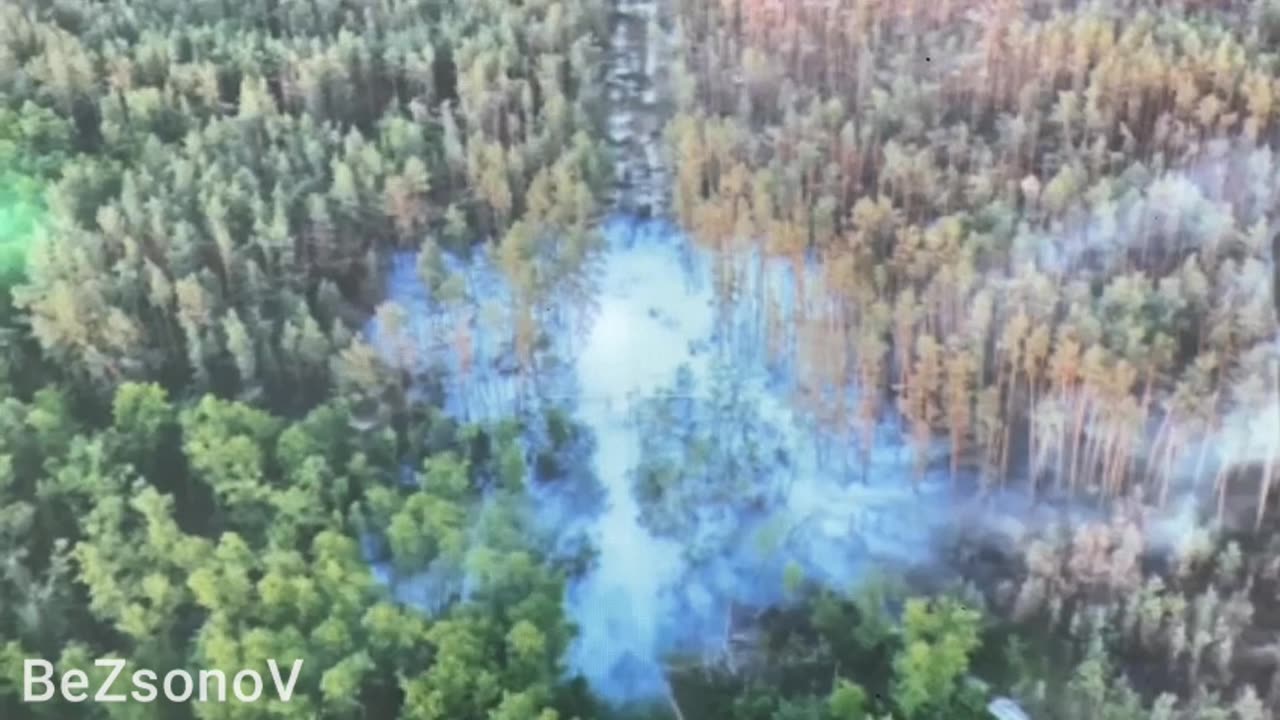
{"points": [[723, 452], [200, 458], [1095, 692], [848, 701], [872, 600], [939, 637], [34, 143], [145, 424], [274, 573], [848, 658]]}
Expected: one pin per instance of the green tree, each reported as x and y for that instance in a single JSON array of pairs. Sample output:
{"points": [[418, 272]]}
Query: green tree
{"points": [[939, 638]]}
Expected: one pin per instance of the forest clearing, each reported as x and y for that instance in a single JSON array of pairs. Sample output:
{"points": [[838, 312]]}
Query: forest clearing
{"points": [[645, 359]]}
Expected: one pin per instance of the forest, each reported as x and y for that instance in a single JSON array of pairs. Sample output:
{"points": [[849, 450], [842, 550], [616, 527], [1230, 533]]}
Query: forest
{"points": [[645, 359]]}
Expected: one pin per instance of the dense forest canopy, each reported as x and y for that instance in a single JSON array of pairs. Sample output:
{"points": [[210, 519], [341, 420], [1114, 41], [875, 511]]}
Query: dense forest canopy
{"points": [[317, 320], [1040, 232], [1050, 234]]}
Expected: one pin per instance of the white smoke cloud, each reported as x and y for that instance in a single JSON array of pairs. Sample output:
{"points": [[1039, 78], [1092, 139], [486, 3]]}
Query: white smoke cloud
{"points": [[649, 597]]}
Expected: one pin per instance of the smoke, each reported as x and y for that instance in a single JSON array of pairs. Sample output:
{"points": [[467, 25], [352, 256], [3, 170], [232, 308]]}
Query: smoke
{"points": [[651, 596], [649, 379], [1230, 185], [1139, 232], [1251, 430]]}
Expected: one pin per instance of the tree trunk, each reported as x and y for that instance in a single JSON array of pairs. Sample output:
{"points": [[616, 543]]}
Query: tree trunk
{"points": [[1076, 430], [1270, 465], [1031, 434]]}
